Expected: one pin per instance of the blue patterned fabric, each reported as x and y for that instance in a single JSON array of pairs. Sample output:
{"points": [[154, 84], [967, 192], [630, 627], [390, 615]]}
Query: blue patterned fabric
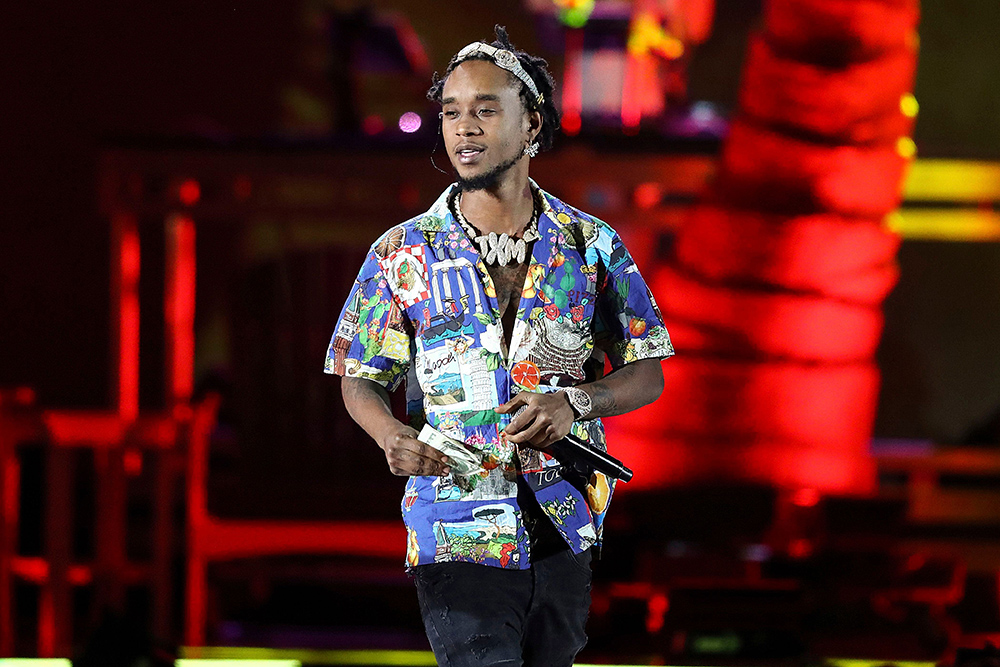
{"points": [[424, 309]]}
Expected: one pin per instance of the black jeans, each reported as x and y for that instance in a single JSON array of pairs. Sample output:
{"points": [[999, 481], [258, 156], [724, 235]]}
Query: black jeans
{"points": [[479, 615]]}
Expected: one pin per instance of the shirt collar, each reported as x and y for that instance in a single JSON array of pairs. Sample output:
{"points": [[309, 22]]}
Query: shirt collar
{"points": [[438, 218]]}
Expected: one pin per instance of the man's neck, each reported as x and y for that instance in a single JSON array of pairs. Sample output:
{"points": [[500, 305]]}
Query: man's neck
{"points": [[505, 209]]}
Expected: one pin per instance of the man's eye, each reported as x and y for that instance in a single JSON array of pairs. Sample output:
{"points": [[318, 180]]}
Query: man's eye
{"points": [[450, 114], [486, 112]]}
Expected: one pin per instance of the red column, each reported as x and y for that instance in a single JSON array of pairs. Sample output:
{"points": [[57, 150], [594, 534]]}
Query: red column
{"points": [[773, 296], [125, 313], [179, 303]]}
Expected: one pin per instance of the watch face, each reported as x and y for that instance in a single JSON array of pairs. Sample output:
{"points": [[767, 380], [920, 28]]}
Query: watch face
{"points": [[580, 400]]}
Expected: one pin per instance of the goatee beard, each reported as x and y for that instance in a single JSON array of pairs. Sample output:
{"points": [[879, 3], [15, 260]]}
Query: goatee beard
{"points": [[488, 180]]}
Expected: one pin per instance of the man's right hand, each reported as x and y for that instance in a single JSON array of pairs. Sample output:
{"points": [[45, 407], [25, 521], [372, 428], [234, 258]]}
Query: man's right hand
{"points": [[368, 403], [408, 456]]}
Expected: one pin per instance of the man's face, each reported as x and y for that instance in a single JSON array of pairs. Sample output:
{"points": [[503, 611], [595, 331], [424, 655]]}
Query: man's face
{"points": [[484, 123]]}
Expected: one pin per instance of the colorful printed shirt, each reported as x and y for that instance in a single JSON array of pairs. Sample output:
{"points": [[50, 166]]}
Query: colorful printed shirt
{"points": [[424, 308]]}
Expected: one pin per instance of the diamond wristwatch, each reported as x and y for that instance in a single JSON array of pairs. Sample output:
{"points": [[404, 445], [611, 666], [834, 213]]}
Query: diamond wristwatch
{"points": [[579, 400]]}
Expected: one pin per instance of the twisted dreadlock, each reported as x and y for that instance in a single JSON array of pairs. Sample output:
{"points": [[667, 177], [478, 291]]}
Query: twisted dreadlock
{"points": [[536, 68]]}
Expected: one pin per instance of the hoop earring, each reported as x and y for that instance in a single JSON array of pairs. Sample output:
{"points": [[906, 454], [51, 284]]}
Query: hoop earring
{"points": [[531, 150]]}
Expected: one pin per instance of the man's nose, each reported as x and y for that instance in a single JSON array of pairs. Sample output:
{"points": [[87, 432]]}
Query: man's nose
{"points": [[467, 126]]}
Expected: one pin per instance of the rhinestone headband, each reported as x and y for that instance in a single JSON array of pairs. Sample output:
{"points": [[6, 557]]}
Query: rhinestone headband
{"points": [[504, 59]]}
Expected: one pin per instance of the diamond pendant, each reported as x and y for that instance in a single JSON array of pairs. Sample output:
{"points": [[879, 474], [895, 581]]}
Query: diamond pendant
{"points": [[520, 249], [501, 249]]}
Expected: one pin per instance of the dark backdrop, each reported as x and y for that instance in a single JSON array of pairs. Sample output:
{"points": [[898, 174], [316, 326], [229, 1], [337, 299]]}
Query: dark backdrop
{"points": [[74, 74]]}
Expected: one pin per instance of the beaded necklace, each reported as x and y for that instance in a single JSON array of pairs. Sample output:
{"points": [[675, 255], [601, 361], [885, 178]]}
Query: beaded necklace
{"points": [[500, 249]]}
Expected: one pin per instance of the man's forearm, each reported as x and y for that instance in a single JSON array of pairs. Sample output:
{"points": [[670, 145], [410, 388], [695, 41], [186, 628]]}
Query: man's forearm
{"points": [[368, 404], [630, 387]]}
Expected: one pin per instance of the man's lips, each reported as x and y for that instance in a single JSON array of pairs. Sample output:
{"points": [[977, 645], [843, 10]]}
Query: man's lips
{"points": [[469, 153]]}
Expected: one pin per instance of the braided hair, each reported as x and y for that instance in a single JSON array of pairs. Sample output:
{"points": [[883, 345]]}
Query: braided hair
{"points": [[536, 68]]}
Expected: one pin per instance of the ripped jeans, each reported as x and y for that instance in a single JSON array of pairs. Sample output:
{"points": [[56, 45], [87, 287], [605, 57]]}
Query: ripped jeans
{"points": [[479, 615]]}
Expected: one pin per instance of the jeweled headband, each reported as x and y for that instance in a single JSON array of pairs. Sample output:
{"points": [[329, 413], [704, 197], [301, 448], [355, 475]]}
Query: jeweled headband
{"points": [[504, 59]]}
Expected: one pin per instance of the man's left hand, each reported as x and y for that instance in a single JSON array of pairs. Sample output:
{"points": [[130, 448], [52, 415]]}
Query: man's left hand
{"points": [[546, 419]]}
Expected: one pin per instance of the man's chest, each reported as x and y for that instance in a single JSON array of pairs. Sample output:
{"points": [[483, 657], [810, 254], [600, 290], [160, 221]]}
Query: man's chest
{"points": [[508, 282]]}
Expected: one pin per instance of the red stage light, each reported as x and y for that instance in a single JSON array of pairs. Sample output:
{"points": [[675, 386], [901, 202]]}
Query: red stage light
{"points": [[572, 89], [656, 611], [189, 192], [132, 462], [24, 396], [128, 317], [179, 305], [806, 498], [571, 124], [372, 125], [800, 548]]}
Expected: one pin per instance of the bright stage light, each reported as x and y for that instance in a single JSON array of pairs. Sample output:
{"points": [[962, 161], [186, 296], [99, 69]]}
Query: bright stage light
{"points": [[861, 662], [906, 147], [945, 224], [647, 195], [236, 663], [806, 498], [409, 122], [957, 181], [571, 124], [189, 192]]}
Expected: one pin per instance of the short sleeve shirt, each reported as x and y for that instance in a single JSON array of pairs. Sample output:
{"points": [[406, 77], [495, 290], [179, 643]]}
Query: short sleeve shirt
{"points": [[423, 309]]}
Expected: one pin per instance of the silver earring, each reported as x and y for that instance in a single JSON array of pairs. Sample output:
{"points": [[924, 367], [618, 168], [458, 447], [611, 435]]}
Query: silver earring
{"points": [[531, 150]]}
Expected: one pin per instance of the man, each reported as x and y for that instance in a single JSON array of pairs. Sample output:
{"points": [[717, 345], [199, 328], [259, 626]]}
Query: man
{"points": [[499, 306]]}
